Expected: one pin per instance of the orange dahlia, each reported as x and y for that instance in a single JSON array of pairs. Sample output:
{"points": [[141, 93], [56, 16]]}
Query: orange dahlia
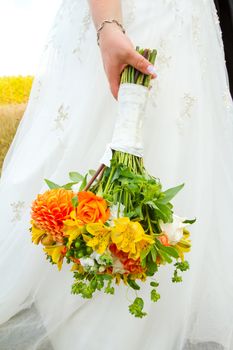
{"points": [[51, 209]]}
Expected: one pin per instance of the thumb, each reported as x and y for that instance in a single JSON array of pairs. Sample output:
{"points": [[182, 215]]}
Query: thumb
{"points": [[142, 64]]}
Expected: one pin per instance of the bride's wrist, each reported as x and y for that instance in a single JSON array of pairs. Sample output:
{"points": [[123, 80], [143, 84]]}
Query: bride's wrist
{"points": [[108, 28]]}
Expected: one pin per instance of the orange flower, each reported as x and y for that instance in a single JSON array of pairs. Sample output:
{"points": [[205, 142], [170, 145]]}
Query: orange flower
{"points": [[50, 210], [91, 208], [133, 266], [118, 253], [130, 265], [164, 240]]}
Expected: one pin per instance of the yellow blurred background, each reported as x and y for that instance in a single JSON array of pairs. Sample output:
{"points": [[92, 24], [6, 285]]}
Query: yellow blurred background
{"points": [[23, 37], [14, 94]]}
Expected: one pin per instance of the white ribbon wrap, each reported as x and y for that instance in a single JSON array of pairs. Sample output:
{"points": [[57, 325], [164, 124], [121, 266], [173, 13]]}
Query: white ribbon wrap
{"points": [[127, 135]]}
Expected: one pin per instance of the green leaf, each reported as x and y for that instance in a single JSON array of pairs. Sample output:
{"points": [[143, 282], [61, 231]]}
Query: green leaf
{"points": [[165, 256], [153, 253], [190, 221], [144, 253], [155, 296], [92, 172], [107, 277], [164, 212], [176, 278], [109, 289], [74, 201], [83, 184], [69, 185], [151, 204], [143, 263], [182, 266], [170, 193], [136, 308], [133, 284], [51, 184], [154, 284], [169, 250], [152, 267], [75, 177]]}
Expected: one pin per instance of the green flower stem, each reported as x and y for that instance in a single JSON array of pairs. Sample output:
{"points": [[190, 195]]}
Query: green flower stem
{"points": [[148, 221]]}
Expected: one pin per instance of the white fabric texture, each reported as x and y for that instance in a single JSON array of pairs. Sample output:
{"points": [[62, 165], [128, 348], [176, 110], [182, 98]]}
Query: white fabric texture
{"points": [[128, 130], [188, 137]]}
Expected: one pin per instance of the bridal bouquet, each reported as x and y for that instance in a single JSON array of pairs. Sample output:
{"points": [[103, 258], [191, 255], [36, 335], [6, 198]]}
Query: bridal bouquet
{"points": [[119, 226]]}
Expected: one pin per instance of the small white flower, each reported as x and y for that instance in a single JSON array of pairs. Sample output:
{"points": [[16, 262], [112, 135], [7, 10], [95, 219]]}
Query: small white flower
{"points": [[118, 267], [96, 257], [101, 269], [87, 262], [114, 212], [173, 230]]}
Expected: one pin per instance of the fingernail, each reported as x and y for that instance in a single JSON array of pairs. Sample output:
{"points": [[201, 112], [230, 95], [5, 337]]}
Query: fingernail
{"points": [[151, 70]]}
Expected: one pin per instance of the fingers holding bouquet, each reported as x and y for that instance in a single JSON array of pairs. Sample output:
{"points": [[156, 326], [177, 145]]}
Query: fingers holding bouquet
{"points": [[118, 52]]}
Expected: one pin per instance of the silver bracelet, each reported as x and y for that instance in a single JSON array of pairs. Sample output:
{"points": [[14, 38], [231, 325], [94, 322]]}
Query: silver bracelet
{"points": [[108, 21]]}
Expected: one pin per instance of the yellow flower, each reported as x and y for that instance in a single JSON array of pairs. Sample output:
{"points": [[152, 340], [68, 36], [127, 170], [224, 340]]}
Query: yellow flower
{"points": [[130, 237], [184, 245], [57, 253], [72, 228], [77, 268], [40, 236], [143, 245], [101, 237], [37, 234]]}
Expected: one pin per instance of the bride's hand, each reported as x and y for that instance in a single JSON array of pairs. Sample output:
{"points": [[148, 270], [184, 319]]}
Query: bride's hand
{"points": [[117, 52]]}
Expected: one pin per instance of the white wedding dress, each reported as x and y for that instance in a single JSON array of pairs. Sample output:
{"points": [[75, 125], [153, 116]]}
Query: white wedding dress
{"points": [[188, 137]]}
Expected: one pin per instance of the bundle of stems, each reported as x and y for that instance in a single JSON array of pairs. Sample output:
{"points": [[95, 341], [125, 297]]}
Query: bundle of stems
{"points": [[109, 181]]}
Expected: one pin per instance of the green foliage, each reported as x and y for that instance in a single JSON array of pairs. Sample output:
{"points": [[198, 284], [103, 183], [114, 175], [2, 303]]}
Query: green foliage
{"points": [[152, 267], [190, 221], [75, 177], [133, 284], [155, 296], [154, 284], [52, 185], [49, 258], [168, 195], [109, 289], [87, 284], [136, 308], [127, 182], [182, 266]]}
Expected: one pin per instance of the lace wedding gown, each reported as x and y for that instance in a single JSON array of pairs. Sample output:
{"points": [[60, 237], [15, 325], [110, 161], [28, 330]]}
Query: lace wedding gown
{"points": [[188, 138]]}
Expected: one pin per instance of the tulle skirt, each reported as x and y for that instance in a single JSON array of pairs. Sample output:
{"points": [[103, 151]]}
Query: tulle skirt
{"points": [[188, 135]]}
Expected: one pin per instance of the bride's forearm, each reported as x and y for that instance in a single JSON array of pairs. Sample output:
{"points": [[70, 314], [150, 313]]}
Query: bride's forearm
{"points": [[105, 9], [116, 48]]}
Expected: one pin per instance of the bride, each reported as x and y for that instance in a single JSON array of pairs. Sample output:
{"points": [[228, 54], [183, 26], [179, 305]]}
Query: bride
{"points": [[188, 138]]}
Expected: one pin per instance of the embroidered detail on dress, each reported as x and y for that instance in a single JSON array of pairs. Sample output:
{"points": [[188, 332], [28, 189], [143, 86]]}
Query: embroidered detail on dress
{"points": [[196, 34], [188, 102], [177, 7], [162, 63], [62, 116], [85, 25], [17, 208], [163, 58], [196, 30]]}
